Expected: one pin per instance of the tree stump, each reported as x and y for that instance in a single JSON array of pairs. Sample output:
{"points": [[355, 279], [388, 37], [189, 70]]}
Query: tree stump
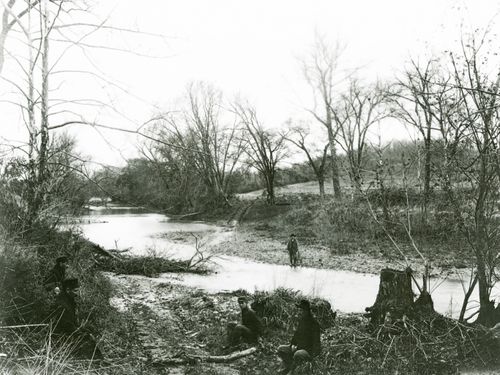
{"points": [[394, 297]]}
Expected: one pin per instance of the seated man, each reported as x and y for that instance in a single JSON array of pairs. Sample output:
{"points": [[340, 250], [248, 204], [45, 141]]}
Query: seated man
{"points": [[250, 328], [305, 342], [57, 274], [66, 324]]}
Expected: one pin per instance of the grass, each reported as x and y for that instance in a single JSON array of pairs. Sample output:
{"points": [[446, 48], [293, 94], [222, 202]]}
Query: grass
{"points": [[25, 301], [344, 235]]}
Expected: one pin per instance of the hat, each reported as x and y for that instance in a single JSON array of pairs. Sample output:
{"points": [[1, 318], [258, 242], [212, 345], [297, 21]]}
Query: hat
{"points": [[62, 259], [70, 284], [303, 303], [242, 299], [292, 235]]}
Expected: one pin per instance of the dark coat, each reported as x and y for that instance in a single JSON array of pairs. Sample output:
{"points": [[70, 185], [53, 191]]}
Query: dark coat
{"points": [[250, 320], [65, 315], [307, 335], [55, 277], [66, 323], [292, 246]]}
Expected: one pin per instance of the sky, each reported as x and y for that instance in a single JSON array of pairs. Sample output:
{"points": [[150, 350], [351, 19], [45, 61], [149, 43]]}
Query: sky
{"points": [[246, 48]]}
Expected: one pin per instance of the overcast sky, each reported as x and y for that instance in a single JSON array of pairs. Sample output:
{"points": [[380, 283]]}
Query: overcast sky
{"points": [[250, 48]]}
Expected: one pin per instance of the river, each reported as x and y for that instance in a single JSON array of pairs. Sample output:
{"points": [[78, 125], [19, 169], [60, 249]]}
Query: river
{"points": [[144, 233]]}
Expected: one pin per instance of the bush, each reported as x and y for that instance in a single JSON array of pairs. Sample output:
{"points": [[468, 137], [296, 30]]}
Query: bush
{"points": [[278, 308], [23, 297]]}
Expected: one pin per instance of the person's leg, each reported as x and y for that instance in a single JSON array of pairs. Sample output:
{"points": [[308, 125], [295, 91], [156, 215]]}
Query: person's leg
{"points": [[245, 333], [87, 347], [286, 355], [240, 332], [233, 336], [291, 258], [299, 357]]}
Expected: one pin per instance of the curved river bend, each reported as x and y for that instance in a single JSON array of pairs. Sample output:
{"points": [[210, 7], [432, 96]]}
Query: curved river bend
{"points": [[144, 232]]}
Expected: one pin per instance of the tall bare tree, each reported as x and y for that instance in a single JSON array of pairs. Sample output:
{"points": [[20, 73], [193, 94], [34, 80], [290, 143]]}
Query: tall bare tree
{"points": [[316, 156], [217, 148], [264, 148], [45, 30], [419, 100], [201, 138], [321, 73], [356, 112], [479, 91]]}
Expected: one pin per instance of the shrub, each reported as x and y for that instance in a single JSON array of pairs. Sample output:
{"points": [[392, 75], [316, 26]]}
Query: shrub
{"points": [[278, 308], [23, 297]]}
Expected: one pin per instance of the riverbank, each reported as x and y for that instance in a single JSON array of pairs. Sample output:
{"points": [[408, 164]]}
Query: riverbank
{"points": [[173, 323], [342, 236], [257, 242], [147, 325], [339, 235]]}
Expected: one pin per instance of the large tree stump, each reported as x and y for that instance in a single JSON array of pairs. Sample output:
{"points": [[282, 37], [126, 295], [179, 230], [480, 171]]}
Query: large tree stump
{"points": [[394, 297]]}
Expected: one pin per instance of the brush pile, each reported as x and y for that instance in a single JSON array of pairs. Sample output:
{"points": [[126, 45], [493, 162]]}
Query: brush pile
{"points": [[432, 344]]}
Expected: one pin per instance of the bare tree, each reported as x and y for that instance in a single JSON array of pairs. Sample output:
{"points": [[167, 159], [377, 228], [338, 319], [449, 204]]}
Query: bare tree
{"points": [[316, 157], [216, 148], [480, 108], [420, 100], [356, 112], [203, 139], [264, 148], [321, 73], [41, 25], [11, 17]]}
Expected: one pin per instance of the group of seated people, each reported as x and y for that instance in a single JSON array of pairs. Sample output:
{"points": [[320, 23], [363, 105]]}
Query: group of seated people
{"points": [[304, 345]]}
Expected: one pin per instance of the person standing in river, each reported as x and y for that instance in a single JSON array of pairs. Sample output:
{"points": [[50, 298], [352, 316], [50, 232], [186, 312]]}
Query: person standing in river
{"points": [[293, 250]]}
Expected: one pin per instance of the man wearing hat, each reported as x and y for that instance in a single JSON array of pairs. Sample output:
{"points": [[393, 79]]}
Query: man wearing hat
{"points": [[250, 328], [293, 250], [305, 343], [57, 274], [67, 324]]}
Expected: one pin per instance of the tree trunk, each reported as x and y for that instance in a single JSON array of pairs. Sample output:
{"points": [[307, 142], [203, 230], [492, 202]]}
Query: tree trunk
{"points": [[427, 175], [334, 165], [394, 297], [271, 199], [488, 315], [44, 111], [321, 183]]}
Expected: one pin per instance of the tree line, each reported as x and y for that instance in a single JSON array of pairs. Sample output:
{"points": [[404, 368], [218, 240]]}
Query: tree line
{"points": [[202, 150]]}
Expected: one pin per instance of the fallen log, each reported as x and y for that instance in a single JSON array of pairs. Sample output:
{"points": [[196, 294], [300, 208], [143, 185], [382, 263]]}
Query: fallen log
{"points": [[191, 358]]}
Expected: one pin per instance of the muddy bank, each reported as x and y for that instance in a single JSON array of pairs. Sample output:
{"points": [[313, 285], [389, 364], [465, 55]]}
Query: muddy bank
{"points": [[259, 245], [175, 321]]}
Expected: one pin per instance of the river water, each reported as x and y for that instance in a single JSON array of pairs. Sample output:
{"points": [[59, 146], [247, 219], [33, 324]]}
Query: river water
{"points": [[143, 233]]}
